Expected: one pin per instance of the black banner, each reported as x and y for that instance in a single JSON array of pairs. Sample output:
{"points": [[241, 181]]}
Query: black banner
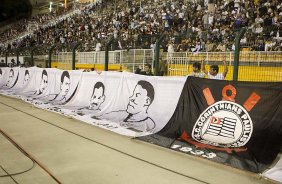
{"points": [[234, 123]]}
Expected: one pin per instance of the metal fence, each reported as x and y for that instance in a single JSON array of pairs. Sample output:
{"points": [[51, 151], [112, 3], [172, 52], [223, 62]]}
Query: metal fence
{"points": [[253, 65], [129, 60]]}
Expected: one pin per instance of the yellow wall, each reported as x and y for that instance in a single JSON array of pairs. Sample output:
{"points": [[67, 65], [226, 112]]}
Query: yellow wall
{"points": [[246, 73], [79, 66]]}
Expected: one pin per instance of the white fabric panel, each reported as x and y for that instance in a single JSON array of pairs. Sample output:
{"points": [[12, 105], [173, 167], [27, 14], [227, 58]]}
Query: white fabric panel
{"points": [[24, 78], [3, 76], [275, 173], [126, 103], [66, 86], [114, 110], [42, 83], [34, 80], [10, 78], [22, 82]]}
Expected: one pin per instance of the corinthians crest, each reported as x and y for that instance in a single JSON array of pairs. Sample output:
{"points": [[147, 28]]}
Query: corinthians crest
{"points": [[225, 123]]}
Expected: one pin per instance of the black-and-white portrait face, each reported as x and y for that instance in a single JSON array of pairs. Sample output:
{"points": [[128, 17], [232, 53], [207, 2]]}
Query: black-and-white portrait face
{"points": [[26, 77], [10, 78], [65, 86], [97, 98], [44, 82], [139, 101]]}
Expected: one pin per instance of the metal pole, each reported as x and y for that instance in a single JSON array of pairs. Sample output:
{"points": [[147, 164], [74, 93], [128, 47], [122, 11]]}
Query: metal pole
{"points": [[108, 45], [239, 35], [18, 53], [50, 56], [73, 54], [31, 55], [134, 61], [6, 58], [157, 54]]}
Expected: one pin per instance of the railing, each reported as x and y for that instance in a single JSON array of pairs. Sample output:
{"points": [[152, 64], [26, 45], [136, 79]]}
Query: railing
{"points": [[255, 57], [253, 66], [129, 59]]}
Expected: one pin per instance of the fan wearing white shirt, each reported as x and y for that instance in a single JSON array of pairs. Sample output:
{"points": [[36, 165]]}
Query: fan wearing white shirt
{"points": [[213, 73], [197, 70], [98, 46]]}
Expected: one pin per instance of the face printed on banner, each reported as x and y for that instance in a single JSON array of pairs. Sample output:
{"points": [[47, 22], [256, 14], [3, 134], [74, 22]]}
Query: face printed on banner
{"points": [[11, 76], [98, 96], [141, 98], [43, 83], [138, 119], [26, 77], [65, 83]]}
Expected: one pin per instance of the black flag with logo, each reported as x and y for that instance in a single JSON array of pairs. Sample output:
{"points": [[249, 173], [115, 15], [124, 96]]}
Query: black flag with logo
{"points": [[234, 123]]}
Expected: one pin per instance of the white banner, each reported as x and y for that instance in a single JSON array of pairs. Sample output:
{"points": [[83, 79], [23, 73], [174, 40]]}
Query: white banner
{"points": [[55, 87], [42, 83], [3, 76], [122, 102], [10, 77], [24, 75], [275, 173]]}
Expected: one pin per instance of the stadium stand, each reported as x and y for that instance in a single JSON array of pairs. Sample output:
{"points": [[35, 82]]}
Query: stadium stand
{"points": [[192, 26], [189, 24]]}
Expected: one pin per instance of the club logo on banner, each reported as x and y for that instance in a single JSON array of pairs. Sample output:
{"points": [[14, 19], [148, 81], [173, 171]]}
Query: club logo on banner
{"points": [[230, 122], [223, 124]]}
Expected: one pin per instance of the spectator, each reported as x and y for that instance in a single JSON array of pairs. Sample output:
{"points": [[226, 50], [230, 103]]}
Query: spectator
{"points": [[197, 70], [214, 69], [98, 46], [2, 64], [170, 49], [147, 70], [188, 19]]}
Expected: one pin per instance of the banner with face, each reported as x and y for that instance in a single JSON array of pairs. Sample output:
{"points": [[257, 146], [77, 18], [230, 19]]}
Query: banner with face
{"points": [[22, 82], [234, 123], [3, 76], [11, 77], [92, 92], [67, 83], [125, 103], [42, 83], [33, 82]]}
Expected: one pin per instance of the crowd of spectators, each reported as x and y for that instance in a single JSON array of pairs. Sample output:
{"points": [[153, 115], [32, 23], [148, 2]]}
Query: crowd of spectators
{"points": [[189, 25], [14, 30], [22, 26]]}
